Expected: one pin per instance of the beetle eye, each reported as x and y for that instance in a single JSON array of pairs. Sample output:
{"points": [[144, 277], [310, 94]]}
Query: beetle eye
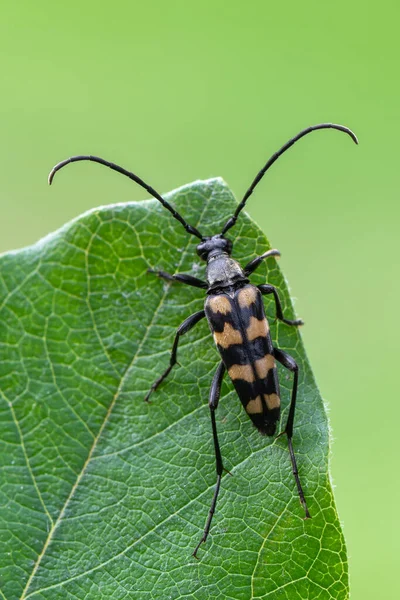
{"points": [[202, 250]]}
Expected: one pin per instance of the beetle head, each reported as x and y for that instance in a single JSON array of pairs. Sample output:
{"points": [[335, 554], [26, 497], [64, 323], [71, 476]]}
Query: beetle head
{"points": [[213, 246]]}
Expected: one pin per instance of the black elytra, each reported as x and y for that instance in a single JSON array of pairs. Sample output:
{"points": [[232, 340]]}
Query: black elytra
{"points": [[235, 313]]}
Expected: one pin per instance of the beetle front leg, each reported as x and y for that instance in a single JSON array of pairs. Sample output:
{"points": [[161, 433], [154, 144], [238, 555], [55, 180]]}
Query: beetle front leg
{"points": [[256, 262], [182, 329], [266, 289], [289, 363], [181, 277], [213, 403]]}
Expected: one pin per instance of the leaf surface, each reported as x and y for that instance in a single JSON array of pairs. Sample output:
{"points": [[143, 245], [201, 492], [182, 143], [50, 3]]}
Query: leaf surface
{"points": [[103, 496]]}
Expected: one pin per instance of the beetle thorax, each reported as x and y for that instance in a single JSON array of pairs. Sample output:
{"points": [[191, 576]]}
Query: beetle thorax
{"points": [[223, 271]]}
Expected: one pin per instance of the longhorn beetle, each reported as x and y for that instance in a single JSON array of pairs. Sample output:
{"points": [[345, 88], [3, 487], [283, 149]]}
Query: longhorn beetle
{"points": [[235, 314]]}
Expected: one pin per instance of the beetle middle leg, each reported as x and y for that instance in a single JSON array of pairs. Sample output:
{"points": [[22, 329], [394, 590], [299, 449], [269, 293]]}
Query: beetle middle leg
{"points": [[266, 289], [182, 329], [213, 404], [289, 363], [181, 277]]}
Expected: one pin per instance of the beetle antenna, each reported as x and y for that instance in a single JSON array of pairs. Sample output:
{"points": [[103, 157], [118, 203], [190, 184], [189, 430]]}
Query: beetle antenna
{"points": [[232, 220], [148, 188]]}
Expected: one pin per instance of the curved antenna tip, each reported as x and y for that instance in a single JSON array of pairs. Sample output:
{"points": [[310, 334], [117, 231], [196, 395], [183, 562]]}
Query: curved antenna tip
{"points": [[62, 164], [189, 228], [232, 220], [54, 170], [340, 128], [353, 136]]}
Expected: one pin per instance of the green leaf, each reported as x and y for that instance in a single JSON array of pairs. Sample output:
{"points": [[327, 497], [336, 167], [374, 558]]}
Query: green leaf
{"points": [[103, 496]]}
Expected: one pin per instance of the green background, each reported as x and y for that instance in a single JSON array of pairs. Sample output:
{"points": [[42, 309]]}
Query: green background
{"points": [[182, 90]]}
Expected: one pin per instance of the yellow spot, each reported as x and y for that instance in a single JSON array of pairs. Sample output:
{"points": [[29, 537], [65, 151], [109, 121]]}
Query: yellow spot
{"points": [[263, 365], [254, 406], [272, 400], [228, 336], [247, 296], [219, 304], [257, 328], [244, 372]]}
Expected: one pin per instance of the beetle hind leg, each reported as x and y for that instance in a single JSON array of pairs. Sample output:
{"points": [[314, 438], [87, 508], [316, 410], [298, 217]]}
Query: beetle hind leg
{"points": [[213, 403], [289, 363]]}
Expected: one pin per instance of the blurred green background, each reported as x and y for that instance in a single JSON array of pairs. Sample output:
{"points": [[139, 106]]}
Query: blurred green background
{"points": [[181, 90]]}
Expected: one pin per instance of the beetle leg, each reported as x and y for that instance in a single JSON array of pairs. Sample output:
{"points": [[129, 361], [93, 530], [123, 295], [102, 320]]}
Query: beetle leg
{"points": [[266, 289], [181, 277], [182, 329], [213, 403], [256, 262], [289, 363]]}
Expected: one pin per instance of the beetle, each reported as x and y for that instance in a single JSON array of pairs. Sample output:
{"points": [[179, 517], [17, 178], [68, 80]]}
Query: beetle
{"points": [[235, 313]]}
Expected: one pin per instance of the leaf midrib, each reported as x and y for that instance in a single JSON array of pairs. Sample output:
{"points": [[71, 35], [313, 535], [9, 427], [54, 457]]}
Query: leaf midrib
{"points": [[24, 595]]}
